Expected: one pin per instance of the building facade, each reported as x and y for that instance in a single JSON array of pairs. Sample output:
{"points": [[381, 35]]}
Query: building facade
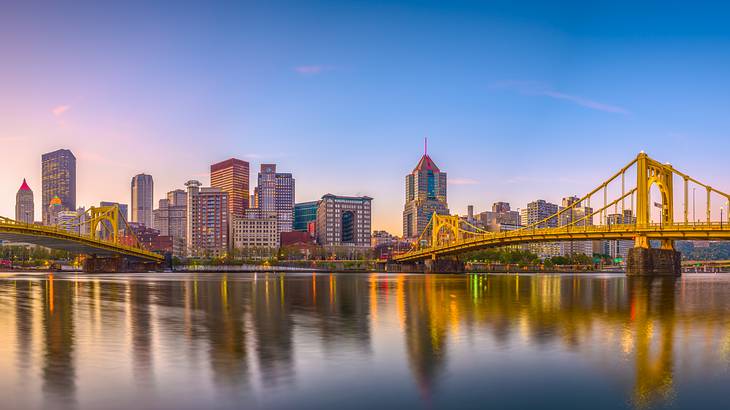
{"points": [[275, 193], [304, 214], [500, 219], [207, 221], [232, 176], [142, 199], [170, 219], [538, 213], [344, 221], [619, 248], [58, 179], [24, 204], [255, 229], [578, 216], [425, 195]]}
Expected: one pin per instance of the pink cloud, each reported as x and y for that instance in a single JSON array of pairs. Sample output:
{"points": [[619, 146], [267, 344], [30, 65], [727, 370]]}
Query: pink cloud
{"points": [[312, 69], [59, 110]]}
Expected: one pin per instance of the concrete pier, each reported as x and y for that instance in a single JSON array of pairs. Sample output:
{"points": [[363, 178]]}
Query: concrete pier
{"points": [[653, 262], [443, 266], [94, 264]]}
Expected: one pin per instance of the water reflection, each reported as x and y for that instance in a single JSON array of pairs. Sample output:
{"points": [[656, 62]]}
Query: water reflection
{"points": [[185, 341]]}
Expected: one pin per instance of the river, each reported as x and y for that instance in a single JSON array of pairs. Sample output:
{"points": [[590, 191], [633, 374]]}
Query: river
{"points": [[363, 341]]}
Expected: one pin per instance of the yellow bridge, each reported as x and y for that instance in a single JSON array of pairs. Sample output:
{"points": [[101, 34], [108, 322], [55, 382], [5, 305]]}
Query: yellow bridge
{"points": [[451, 235], [93, 234]]}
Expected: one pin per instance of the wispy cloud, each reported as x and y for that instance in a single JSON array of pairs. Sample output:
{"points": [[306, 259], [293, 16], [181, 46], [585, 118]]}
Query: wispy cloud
{"points": [[463, 181], [312, 69], [60, 110], [532, 88]]}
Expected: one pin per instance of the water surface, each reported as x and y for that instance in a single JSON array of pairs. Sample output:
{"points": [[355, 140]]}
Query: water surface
{"points": [[312, 341]]}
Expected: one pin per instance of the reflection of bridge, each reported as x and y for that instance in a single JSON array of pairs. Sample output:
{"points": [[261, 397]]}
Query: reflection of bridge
{"points": [[450, 235], [95, 234]]}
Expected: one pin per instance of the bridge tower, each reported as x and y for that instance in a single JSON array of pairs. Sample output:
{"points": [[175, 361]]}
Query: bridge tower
{"points": [[642, 259]]}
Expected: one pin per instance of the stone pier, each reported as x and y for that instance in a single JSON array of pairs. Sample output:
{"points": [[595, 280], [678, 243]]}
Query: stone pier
{"points": [[443, 266], [653, 262], [93, 264]]}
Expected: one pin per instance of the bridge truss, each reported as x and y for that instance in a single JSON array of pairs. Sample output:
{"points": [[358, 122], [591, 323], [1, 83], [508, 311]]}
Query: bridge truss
{"points": [[629, 189]]}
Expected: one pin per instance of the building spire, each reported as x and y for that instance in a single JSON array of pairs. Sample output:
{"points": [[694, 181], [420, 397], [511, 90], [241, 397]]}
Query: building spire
{"points": [[425, 146]]}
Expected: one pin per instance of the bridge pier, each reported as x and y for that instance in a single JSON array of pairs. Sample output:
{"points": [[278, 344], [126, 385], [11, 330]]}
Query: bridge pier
{"points": [[653, 262], [93, 264], [443, 266]]}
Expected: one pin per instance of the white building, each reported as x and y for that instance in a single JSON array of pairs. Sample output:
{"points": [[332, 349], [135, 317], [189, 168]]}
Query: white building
{"points": [[256, 229]]}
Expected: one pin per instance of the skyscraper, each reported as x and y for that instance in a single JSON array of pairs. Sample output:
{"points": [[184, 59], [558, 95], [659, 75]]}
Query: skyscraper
{"points": [[24, 205], [275, 192], [232, 176], [58, 179], [425, 195], [142, 198], [170, 218]]}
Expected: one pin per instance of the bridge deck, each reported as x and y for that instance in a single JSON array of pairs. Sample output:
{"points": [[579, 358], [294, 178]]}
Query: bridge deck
{"points": [[705, 231], [54, 238]]}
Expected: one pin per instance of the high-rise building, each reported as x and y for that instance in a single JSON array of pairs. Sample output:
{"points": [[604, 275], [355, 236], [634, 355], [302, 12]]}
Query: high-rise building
{"points": [[207, 221], [304, 214], [24, 204], [58, 179], [425, 195], [275, 192], [55, 207], [344, 221], [619, 248], [232, 176], [170, 219], [142, 199], [538, 213], [578, 216]]}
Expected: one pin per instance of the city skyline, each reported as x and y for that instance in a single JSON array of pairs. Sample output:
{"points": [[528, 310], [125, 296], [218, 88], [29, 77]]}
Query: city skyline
{"points": [[501, 102]]}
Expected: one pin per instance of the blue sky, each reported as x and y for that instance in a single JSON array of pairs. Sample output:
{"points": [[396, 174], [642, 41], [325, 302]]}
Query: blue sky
{"points": [[519, 101]]}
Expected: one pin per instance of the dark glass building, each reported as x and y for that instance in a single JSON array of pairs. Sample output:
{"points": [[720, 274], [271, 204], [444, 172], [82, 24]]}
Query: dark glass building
{"points": [[58, 173], [304, 213]]}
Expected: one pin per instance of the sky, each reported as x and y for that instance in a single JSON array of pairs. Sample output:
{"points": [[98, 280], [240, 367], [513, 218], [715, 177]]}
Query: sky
{"points": [[519, 100]]}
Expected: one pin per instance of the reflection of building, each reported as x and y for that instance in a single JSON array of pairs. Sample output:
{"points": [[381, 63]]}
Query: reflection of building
{"points": [[304, 213], [232, 176], [24, 205], [170, 219], [58, 180], [344, 221], [207, 221], [425, 195], [275, 192], [142, 198], [256, 229]]}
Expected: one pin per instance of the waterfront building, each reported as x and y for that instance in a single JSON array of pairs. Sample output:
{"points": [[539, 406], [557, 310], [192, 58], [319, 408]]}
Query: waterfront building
{"points": [[537, 212], [207, 221], [425, 195], [170, 219], [344, 221], [255, 229], [55, 206], [619, 248], [24, 204], [58, 179], [304, 214], [579, 216], [142, 199], [275, 192], [68, 221], [232, 176]]}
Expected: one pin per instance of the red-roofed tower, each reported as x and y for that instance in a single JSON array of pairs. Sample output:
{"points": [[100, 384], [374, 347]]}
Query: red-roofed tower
{"points": [[425, 194]]}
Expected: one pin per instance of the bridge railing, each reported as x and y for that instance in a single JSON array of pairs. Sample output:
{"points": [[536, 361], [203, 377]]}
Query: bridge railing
{"points": [[65, 232]]}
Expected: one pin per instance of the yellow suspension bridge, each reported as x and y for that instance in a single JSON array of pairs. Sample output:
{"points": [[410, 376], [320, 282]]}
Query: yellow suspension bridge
{"points": [[100, 235], [449, 235]]}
